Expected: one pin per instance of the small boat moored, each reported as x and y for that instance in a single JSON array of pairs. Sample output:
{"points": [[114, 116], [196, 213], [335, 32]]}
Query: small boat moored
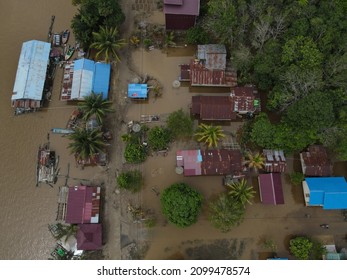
{"points": [[69, 53], [65, 36], [56, 39]]}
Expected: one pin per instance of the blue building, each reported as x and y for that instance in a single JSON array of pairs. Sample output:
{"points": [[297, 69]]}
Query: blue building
{"points": [[328, 192], [90, 76]]}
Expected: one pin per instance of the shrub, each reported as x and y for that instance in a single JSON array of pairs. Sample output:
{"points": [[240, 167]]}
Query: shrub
{"points": [[296, 178], [180, 124], [130, 180], [135, 153], [159, 138]]}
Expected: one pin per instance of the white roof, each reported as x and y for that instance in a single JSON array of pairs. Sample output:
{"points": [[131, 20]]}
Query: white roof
{"points": [[31, 71]]}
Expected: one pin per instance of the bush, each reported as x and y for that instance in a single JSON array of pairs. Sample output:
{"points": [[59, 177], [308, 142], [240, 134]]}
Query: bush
{"points": [[135, 153], [180, 124], [301, 247], [181, 204], [296, 178], [159, 138], [197, 35], [130, 180]]}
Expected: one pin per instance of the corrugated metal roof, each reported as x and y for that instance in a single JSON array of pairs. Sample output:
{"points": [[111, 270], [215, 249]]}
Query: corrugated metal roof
{"points": [[316, 162], [31, 71], [213, 107], [187, 7], [89, 237], [274, 161], [329, 192], [102, 78], [89, 76], [213, 56], [270, 186]]}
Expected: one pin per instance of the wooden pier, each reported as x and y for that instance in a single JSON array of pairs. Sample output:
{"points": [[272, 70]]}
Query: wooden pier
{"points": [[62, 203]]}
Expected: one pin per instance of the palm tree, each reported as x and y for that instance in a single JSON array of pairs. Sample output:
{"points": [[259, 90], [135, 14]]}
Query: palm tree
{"points": [[106, 42], [86, 143], [255, 161], [241, 191], [209, 134], [94, 104]]}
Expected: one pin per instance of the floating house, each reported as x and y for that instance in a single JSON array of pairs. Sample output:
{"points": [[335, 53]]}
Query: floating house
{"points": [[241, 101], [83, 205], [138, 91], [181, 14], [89, 237], [84, 76], [270, 188], [209, 68], [275, 161], [210, 162], [328, 192], [31, 76], [315, 162]]}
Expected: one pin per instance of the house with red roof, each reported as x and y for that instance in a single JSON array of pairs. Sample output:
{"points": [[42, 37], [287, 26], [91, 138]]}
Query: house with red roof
{"points": [[315, 162], [181, 14], [270, 188], [83, 205], [210, 162], [89, 237]]}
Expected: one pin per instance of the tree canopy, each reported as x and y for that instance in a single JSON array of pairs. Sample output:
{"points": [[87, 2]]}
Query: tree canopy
{"points": [[181, 204], [180, 124]]}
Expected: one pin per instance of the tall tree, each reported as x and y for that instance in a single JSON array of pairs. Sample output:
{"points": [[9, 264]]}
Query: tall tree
{"points": [[209, 134], [95, 105], [86, 143], [241, 192], [255, 161], [107, 42]]}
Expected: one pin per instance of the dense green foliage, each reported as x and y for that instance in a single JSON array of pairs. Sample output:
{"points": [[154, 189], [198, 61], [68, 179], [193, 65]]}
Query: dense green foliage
{"points": [[86, 143], [296, 178], [130, 180], [241, 192], [135, 152], [95, 105], [209, 135], [295, 51], [91, 15], [197, 35], [159, 138], [301, 247], [226, 212], [180, 124], [181, 204]]}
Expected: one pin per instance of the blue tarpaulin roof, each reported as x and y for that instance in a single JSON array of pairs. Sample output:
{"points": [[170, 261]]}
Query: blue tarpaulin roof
{"points": [[89, 76], [31, 71], [331, 192], [137, 91]]}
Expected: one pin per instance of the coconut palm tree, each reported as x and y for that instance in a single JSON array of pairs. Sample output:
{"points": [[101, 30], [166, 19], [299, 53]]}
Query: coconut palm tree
{"points": [[241, 191], [209, 134], [106, 41], [255, 161], [86, 143], [95, 105]]}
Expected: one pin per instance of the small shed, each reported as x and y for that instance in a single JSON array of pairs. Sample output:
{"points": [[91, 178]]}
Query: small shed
{"points": [[270, 188], [89, 237], [328, 192], [275, 161], [181, 14], [316, 162], [138, 91], [83, 205]]}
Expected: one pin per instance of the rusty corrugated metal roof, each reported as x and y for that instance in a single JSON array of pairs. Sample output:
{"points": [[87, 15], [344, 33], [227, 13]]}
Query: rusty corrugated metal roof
{"points": [[316, 162]]}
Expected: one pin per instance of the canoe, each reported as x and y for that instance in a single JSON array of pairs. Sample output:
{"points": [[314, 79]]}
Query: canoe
{"points": [[56, 39], [70, 51], [65, 36], [62, 131]]}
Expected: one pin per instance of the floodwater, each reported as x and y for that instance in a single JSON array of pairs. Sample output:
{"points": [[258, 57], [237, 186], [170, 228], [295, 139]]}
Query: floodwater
{"points": [[26, 210]]}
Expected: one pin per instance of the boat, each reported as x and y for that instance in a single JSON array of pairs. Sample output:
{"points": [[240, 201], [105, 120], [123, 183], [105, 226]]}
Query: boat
{"points": [[61, 131], [65, 36], [72, 122], [46, 165], [56, 39], [70, 51]]}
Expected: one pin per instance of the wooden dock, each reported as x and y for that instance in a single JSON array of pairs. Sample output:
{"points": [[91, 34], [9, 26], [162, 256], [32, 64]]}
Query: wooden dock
{"points": [[62, 203]]}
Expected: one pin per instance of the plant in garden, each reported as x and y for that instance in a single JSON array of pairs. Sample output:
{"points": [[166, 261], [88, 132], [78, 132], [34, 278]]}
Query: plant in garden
{"points": [[226, 212], [296, 178], [181, 204], [130, 180], [241, 192], [209, 134], [180, 124], [301, 247], [135, 152], [159, 138]]}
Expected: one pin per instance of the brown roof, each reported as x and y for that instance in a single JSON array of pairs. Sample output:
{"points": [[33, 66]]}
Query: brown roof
{"points": [[89, 237], [274, 161], [182, 7], [213, 107], [201, 76], [316, 162], [212, 56], [185, 72], [210, 162]]}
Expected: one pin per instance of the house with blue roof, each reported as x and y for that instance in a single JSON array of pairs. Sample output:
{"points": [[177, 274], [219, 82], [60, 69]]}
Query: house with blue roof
{"points": [[328, 192], [90, 76], [31, 75]]}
